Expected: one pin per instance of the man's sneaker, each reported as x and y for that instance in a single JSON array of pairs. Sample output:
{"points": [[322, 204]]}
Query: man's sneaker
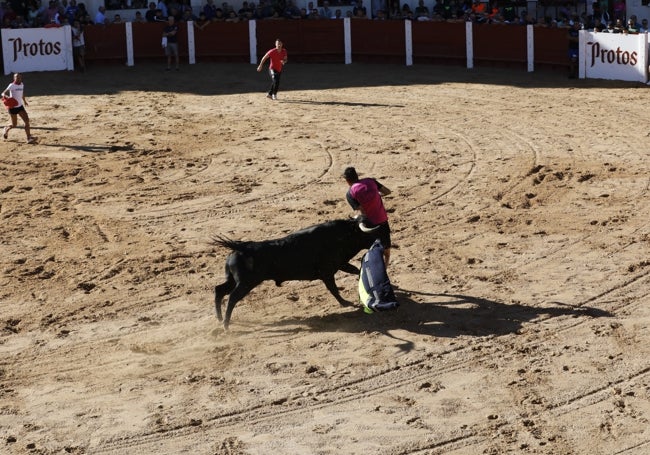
{"points": [[31, 140], [367, 310], [269, 96], [5, 134], [274, 97]]}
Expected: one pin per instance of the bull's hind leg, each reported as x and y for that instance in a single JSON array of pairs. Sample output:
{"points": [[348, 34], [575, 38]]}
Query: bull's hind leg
{"points": [[240, 291], [222, 290]]}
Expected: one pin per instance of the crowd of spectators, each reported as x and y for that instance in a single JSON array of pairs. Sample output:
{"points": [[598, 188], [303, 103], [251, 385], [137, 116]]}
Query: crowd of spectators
{"points": [[33, 13]]}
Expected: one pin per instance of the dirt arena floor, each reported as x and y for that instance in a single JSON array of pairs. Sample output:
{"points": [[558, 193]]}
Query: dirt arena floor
{"points": [[521, 222]]}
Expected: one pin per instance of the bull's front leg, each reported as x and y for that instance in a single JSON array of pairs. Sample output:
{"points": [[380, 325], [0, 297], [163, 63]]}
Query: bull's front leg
{"points": [[220, 291], [349, 268], [330, 283]]}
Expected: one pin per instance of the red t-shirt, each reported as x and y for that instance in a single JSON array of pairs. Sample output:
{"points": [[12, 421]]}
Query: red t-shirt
{"points": [[277, 58]]}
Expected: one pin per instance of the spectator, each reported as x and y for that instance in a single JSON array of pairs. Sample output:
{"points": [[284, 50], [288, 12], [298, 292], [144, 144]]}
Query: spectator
{"points": [[151, 13], [244, 10], [139, 18], [162, 6], [52, 24], [395, 12], [82, 11], [188, 16], [326, 12], [158, 16], [314, 14], [494, 13], [422, 10], [574, 49], [219, 16], [117, 19], [509, 12], [19, 22], [599, 25], [9, 15], [359, 11], [71, 11], [406, 10], [86, 20], [619, 9], [439, 8], [644, 26], [564, 12], [202, 22], [291, 11], [173, 11], [34, 15], [619, 26], [338, 14], [210, 10], [51, 12], [170, 32], [100, 17], [478, 8], [232, 17], [225, 6], [381, 15], [266, 10], [632, 27], [78, 45]]}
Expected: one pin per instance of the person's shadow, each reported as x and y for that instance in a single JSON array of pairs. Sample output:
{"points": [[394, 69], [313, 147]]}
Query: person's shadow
{"points": [[443, 315]]}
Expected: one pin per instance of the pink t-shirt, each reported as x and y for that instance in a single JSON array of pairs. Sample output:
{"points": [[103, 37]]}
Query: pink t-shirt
{"points": [[366, 193]]}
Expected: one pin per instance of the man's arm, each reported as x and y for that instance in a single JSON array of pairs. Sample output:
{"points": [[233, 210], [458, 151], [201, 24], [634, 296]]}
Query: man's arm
{"points": [[384, 191], [264, 59]]}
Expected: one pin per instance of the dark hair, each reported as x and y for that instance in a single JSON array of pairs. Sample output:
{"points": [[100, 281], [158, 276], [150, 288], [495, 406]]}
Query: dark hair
{"points": [[350, 174]]}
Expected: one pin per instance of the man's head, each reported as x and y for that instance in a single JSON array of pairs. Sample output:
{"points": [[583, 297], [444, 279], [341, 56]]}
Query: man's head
{"points": [[350, 175]]}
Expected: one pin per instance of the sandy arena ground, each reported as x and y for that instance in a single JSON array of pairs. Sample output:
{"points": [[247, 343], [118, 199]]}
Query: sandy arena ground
{"points": [[521, 222]]}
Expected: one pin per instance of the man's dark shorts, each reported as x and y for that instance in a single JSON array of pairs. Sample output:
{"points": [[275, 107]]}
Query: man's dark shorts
{"points": [[171, 50], [383, 234]]}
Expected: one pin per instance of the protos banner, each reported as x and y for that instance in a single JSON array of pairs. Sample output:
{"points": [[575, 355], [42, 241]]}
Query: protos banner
{"points": [[37, 49], [614, 56]]}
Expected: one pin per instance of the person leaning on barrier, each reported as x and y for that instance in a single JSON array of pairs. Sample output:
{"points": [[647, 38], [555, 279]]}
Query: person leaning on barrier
{"points": [[574, 49], [150, 15], [644, 26]]}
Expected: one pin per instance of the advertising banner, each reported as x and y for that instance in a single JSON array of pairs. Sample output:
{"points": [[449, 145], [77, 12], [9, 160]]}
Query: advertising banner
{"points": [[37, 49], [615, 56]]}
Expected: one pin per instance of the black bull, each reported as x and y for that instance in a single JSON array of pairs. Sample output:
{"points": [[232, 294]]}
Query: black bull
{"points": [[313, 253]]}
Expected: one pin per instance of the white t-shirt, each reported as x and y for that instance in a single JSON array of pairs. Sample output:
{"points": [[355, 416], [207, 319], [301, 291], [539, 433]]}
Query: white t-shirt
{"points": [[77, 37], [16, 92]]}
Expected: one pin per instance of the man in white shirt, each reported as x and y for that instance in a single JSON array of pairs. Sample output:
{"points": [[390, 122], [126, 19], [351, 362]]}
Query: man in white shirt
{"points": [[100, 17]]}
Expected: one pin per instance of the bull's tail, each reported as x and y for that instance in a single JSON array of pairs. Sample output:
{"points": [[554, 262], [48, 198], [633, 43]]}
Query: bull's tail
{"points": [[234, 245]]}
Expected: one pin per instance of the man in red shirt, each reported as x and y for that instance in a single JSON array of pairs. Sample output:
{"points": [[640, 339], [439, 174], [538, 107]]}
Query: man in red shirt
{"points": [[365, 195], [278, 58]]}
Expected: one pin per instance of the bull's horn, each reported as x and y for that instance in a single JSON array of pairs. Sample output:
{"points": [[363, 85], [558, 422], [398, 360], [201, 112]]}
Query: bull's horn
{"points": [[365, 228]]}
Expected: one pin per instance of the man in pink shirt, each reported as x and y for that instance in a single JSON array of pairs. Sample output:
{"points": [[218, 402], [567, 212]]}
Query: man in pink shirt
{"points": [[278, 57], [365, 195]]}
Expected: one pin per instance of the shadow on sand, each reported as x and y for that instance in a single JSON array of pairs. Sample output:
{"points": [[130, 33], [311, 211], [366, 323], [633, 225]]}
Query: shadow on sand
{"points": [[444, 315]]}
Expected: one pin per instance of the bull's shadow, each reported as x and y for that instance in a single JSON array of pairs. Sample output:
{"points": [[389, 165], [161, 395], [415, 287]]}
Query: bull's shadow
{"points": [[445, 315]]}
